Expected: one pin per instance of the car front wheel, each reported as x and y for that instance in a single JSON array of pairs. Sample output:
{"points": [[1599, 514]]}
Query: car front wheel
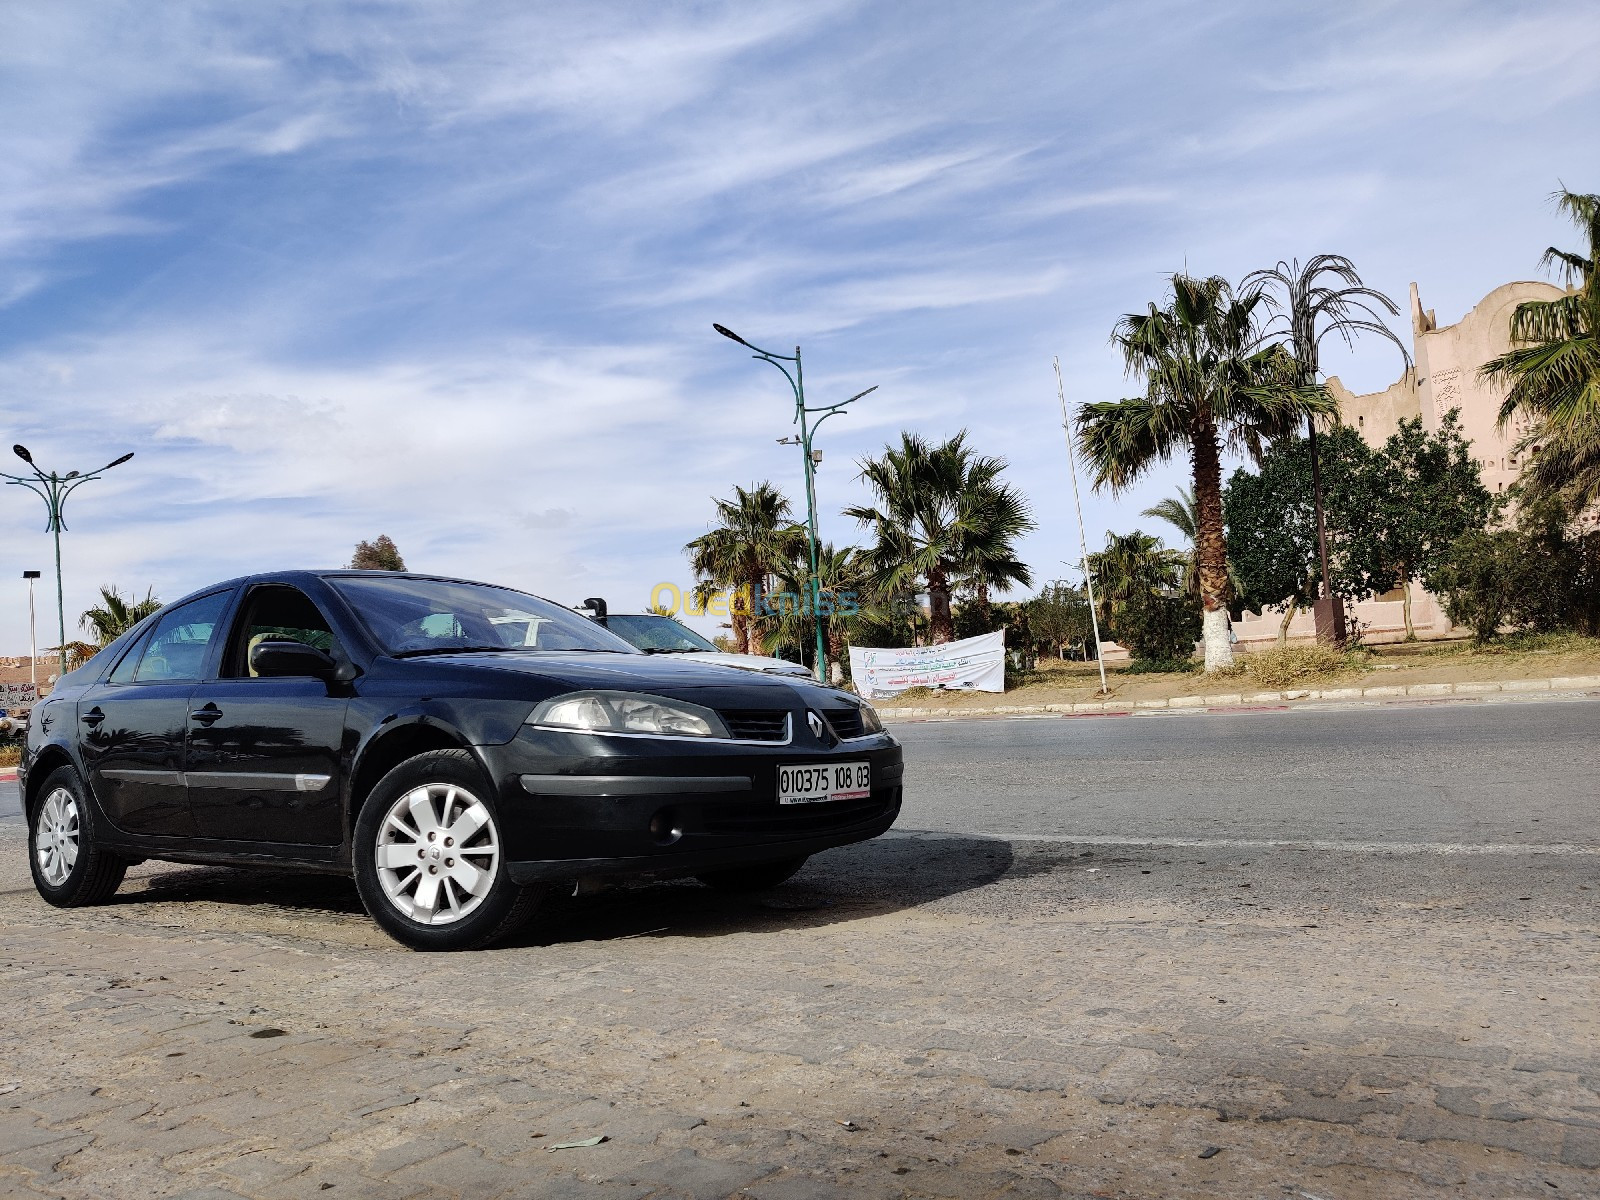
{"points": [[429, 860], [69, 868]]}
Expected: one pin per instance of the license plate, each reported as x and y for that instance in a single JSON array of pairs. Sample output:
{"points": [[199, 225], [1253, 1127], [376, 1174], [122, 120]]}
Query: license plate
{"points": [[820, 784]]}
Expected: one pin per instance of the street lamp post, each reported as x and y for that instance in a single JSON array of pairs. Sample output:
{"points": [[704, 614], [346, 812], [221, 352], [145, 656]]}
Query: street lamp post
{"points": [[54, 489], [33, 636], [808, 427]]}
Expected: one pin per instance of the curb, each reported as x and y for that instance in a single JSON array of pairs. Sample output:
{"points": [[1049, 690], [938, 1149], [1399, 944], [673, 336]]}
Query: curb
{"points": [[1259, 701]]}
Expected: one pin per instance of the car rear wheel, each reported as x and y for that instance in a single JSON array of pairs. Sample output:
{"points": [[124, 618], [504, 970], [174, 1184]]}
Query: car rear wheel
{"points": [[429, 861], [753, 877], [70, 868]]}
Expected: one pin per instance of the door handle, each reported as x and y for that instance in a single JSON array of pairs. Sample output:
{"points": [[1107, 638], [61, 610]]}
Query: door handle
{"points": [[94, 716], [206, 715]]}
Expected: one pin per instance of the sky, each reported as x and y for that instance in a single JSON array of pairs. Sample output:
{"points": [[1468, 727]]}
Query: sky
{"points": [[448, 272]]}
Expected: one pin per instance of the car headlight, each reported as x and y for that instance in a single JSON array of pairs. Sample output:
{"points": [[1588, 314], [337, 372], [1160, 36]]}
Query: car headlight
{"points": [[871, 722], [628, 712]]}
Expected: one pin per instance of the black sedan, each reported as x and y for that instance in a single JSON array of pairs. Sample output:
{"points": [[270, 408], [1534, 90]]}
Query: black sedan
{"points": [[458, 747]]}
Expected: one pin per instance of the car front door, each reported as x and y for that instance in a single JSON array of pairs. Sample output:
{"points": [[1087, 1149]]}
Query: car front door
{"points": [[265, 756], [131, 724]]}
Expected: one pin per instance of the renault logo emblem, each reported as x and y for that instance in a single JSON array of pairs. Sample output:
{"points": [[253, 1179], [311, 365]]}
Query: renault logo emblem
{"points": [[813, 720]]}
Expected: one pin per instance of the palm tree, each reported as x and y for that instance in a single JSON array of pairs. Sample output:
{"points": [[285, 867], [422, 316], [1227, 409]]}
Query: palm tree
{"points": [[942, 517], [1132, 565], [1207, 387], [997, 518], [754, 538], [1309, 311], [116, 614], [1182, 514], [1553, 370], [843, 583]]}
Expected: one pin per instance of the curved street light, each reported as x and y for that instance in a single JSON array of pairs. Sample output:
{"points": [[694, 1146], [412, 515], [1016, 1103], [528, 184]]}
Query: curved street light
{"points": [[808, 427], [54, 489]]}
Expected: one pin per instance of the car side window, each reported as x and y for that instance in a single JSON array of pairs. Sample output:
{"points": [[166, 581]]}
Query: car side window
{"points": [[177, 646], [275, 613], [123, 672]]}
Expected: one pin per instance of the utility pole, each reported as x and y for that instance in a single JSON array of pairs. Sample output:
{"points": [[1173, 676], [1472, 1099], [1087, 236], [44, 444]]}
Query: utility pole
{"points": [[1083, 542], [33, 636], [54, 489], [808, 429]]}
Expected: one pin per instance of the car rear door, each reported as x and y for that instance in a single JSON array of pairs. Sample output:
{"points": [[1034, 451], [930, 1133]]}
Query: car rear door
{"points": [[265, 755], [131, 724]]}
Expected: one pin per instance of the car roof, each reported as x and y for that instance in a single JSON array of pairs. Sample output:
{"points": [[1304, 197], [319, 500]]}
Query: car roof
{"points": [[300, 574]]}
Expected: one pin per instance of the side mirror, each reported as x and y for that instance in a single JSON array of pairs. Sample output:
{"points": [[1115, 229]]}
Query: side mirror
{"points": [[597, 609], [292, 659]]}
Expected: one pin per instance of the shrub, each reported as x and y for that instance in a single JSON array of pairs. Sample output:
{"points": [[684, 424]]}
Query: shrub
{"points": [[1539, 577], [1158, 628], [1161, 666]]}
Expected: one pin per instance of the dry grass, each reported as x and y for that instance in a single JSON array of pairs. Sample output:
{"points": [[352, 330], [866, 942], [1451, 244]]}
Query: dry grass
{"points": [[10, 756], [1284, 666]]}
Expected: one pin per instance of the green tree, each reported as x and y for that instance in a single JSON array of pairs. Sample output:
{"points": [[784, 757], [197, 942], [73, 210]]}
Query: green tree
{"points": [[1326, 296], [116, 614], [379, 555], [1272, 527], [755, 538], [1056, 618], [942, 516], [1426, 493], [1207, 388], [1553, 372]]}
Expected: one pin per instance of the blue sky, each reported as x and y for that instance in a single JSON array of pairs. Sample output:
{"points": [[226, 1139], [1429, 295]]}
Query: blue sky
{"points": [[448, 271]]}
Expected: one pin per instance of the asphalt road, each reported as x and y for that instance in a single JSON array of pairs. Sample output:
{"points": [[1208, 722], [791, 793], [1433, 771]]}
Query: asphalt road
{"points": [[1438, 776], [1447, 776]]}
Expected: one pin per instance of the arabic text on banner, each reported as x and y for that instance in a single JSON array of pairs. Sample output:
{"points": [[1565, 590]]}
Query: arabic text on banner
{"points": [[971, 665]]}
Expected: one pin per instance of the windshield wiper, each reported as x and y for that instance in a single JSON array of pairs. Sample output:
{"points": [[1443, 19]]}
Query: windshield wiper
{"points": [[673, 650]]}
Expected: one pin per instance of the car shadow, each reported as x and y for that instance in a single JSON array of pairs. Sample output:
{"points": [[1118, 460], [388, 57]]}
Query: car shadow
{"points": [[886, 875]]}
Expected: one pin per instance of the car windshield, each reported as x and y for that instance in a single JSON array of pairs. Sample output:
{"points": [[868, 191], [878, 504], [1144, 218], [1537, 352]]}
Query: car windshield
{"points": [[432, 616], [649, 631]]}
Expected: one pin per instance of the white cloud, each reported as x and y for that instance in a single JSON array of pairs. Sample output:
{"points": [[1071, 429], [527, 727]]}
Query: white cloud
{"points": [[447, 272]]}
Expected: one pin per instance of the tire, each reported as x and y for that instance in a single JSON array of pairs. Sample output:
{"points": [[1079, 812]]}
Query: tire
{"points": [[753, 877], [454, 894], [70, 868]]}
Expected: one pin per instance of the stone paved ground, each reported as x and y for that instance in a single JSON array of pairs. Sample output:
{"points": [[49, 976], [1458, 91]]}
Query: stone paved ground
{"points": [[921, 1017]]}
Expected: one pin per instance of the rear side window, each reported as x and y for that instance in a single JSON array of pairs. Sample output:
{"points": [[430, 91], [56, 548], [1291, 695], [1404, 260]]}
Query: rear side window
{"points": [[123, 672], [177, 646]]}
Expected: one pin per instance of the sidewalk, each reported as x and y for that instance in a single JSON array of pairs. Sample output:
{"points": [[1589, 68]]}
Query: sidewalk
{"points": [[1226, 701]]}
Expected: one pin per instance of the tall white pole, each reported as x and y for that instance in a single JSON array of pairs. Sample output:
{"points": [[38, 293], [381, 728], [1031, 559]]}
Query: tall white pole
{"points": [[33, 644], [1083, 542]]}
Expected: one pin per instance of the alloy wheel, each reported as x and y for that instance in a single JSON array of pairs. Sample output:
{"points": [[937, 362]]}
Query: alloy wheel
{"points": [[436, 853], [55, 843]]}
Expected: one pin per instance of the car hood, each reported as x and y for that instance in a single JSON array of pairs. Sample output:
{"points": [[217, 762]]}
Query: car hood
{"points": [[705, 682], [745, 662]]}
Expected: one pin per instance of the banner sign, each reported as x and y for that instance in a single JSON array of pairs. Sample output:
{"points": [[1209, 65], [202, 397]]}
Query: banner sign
{"points": [[16, 695], [970, 665]]}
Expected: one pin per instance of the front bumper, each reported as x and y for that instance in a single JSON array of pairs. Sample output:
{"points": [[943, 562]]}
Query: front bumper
{"points": [[576, 805]]}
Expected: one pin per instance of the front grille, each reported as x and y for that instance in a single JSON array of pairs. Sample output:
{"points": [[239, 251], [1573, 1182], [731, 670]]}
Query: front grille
{"points": [[794, 818], [756, 725], [845, 722]]}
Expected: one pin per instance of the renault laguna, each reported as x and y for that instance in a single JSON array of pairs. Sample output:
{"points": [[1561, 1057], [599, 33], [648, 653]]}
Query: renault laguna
{"points": [[459, 748]]}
